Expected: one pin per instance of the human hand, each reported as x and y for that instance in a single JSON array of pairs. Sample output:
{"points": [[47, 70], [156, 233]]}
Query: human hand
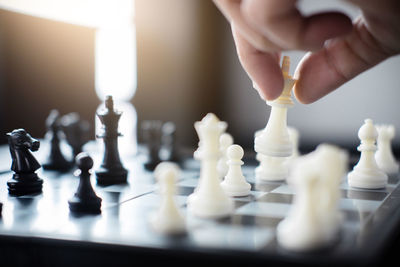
{"points": [[339, 49]]}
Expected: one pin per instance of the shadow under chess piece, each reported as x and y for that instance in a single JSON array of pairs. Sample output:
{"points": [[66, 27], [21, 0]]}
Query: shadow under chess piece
{"points": [[111, 170], [85, 199], [152, 134], [25, 180], [76, 132], [55, 159]]}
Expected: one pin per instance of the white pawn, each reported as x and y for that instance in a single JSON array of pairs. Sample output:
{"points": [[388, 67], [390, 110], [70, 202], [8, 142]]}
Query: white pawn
{"points": [[366, 174], [225, 141], [168, 219], [235, 184], [384, 156]]}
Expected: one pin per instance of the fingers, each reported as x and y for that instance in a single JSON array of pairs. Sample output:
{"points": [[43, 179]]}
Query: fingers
{"points": [[282, 23], [231, 10], [263, 68], [321, 72], [278, 25]]}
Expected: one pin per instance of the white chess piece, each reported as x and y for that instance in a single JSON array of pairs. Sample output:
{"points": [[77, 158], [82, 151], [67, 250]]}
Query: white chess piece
{"points": [[225, 141], [167, 165], [384, 156], [294, 136], [235, 184], [274, 141], [168, 219], [314, 219], [271, 168], [366, 174], [208, 199]]}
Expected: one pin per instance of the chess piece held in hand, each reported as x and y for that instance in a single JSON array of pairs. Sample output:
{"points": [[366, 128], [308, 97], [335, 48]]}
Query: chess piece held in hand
{"points": [[274, 140]]}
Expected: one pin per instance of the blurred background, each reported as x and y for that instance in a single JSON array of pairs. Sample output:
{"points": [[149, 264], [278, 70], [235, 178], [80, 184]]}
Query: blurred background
{"points": [[173, 60]]}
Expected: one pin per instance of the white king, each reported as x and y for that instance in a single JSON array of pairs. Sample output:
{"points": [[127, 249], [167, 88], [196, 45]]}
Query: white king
{"points": [[274, 140]]}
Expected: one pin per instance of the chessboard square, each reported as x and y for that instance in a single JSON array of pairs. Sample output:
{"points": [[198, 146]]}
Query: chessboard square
{"points": [[365, 194], [250, 220], [388, 189], [190, 182], [265, 186], [276, 198], [185, 190], [153, 200], [360, 205], [283, 189], [225, 236], [393, 179], [239, 203], [251, 197], [266, 209], [354, 216]]}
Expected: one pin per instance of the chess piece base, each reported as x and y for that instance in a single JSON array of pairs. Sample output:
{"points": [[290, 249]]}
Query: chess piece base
{"points": [[236, 190], [78, 205], [24, 184], [295, 238], [374, 180], [110, 176], [263, 174], [209, 209]]}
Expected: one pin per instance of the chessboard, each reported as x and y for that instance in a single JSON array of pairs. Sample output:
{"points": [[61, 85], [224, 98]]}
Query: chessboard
{"points": [[40, 230]]}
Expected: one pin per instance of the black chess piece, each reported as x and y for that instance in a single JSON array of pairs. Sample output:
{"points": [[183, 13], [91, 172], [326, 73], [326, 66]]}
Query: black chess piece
{"points": [[55, 160], [111, 170], [76, 131], [85, 199], [169, 142], [151, 131], [25, 180]]}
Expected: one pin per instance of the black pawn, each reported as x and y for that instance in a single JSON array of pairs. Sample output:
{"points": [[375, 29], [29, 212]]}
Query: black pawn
{"points": [[111, 170], [152, 133], [24, 181], [55, 160], [85, 199]]}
